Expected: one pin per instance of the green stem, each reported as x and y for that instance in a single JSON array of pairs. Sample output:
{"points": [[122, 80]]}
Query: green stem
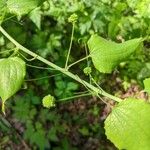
{"points": [[38, 67], [6, 51], [67, 59], [72, 97], [63, 70], [46, 77], [78, 61], [31, 59]]}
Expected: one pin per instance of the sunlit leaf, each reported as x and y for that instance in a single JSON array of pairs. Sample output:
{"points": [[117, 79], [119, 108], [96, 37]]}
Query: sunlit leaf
{"points": [[22, 7], [12, 72], [106, 55], [128, 125]]}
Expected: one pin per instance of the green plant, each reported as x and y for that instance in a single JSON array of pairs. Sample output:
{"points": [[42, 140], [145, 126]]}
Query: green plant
{"points": [[106, 56]]}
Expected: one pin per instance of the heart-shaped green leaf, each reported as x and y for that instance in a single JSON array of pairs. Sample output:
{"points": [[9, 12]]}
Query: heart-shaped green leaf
{"points": [[147, 85], [106, 55], [12, 72], [128, 125]]}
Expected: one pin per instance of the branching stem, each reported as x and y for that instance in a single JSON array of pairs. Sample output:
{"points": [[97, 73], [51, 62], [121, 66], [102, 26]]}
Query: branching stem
{"points": [[63, 70], [78, 61], [72, 97]]}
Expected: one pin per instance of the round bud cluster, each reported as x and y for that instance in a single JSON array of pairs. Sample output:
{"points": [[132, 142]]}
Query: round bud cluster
{"points": [[87, 70], [48, 101], [73, 18]]}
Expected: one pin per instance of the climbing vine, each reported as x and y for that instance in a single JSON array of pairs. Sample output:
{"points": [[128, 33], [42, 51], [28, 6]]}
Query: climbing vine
{"points": [[129, 117]]}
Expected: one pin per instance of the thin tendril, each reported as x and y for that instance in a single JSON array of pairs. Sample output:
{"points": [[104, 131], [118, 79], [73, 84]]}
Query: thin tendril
{"points": [[82, 92], [27, 58], [96, 83], [39, 67], [78, 61], [102, 99], [8, 18], [72, 97], [46, 77], [6, 51], [72, 34], [85, 86]]}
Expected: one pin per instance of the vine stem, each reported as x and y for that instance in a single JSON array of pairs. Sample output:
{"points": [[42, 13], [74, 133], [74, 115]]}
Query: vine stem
{"points": [[63, 70]]}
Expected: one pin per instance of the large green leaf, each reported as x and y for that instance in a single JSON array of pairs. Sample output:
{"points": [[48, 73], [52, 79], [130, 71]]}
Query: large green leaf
{"points": [[147, 85], [106, 55], [12, 72], [21, 7], [128, 125]]}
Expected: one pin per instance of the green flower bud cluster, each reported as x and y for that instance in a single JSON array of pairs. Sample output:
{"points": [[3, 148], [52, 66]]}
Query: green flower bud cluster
{"points": [[48, 101], [73, 18], [87, 70]]}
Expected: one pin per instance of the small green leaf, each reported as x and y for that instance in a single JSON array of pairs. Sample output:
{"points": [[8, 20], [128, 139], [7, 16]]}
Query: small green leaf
{"points": [[147, 85], [106, 55], [22, 7], [48, 101], [12, 72], [128, 125]]}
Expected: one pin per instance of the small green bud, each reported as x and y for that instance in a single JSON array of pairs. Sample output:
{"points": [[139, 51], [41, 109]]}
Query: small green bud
{"points": [[73, 18], [48, 101], [87, 70]]}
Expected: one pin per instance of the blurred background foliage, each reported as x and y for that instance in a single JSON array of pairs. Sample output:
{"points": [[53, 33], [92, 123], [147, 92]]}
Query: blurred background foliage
{"points": [[78, 124]]}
